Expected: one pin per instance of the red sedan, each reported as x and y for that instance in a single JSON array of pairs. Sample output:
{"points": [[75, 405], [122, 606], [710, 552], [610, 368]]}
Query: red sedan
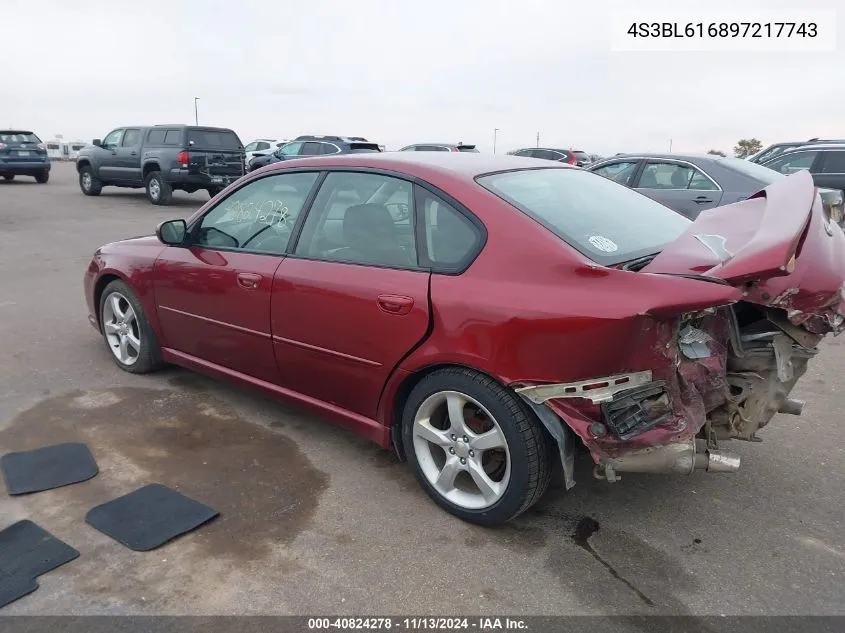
{"points": [[485, 316]]}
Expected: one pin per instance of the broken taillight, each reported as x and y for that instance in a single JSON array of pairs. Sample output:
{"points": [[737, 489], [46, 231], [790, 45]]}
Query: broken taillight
{"points": [[183, 158]]}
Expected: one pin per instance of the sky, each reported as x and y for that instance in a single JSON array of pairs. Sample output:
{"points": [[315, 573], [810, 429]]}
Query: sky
{"points": [[416, 71]]}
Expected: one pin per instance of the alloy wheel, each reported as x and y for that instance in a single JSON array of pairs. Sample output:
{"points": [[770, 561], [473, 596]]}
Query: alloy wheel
{"points": [[121, 328]]}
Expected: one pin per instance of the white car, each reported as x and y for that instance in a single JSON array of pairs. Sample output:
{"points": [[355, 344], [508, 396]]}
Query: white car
{"points": [[262, 146]]}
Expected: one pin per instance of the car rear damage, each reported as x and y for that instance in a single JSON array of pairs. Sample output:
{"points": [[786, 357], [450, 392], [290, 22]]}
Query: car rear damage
{"points": [[726, 319]]}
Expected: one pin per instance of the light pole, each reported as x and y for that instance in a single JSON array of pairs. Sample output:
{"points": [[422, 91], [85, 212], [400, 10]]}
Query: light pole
{"points": [[196, 115], [495, 134], [670, 145]]}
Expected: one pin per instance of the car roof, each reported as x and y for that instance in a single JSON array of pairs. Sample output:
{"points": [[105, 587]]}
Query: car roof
{"points": [[467, 165], [16, 131], [819, 146], [690, 158]]}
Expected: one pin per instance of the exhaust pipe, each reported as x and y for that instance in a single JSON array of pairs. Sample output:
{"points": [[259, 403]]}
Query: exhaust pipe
{"points": [[792, 406], [672, 459]]}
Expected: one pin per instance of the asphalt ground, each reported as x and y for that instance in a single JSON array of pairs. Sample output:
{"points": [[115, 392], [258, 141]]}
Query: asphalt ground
{"points": [[315, 520]]}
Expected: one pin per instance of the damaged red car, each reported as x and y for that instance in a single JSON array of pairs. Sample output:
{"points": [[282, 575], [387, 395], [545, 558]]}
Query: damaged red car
{"points": [[487, 316]]}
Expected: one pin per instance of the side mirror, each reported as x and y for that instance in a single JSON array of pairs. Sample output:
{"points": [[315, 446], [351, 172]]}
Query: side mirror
{"points": [[172, 232], [98, 142]]}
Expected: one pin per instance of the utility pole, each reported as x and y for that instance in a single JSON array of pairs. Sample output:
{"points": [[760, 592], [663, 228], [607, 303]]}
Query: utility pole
{"points": [[670, 145], [495, 134], [538, 139], [196, 114]]}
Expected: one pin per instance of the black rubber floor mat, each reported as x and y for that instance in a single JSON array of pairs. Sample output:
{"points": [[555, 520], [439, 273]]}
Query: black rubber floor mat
{"points": [[46, 468], [26, 552], [149, 517]]}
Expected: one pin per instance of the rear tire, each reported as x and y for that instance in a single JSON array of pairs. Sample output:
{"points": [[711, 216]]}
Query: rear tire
{"points": [[88, 182], [42, 177], [9, 177], [127, 331], [501, 453], [158, 191]]}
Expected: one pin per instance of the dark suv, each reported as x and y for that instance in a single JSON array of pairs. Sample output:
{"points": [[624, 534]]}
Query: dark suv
{"points": [[309, 145], [23, 154], [569, 156], [826, 163], [162, 158], [440, 147]]}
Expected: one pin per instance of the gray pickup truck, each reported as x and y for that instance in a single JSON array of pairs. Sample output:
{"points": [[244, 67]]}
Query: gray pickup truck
{"points": [[161, 159]]}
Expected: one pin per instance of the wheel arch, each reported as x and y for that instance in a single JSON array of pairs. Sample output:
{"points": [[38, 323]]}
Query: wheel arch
{"points": [[82, 162], [99, 287], [392, 416], [150, 166]]}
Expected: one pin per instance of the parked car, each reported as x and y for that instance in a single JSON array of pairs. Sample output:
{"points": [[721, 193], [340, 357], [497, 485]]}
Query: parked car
{"points": [[691, 183], [826, 163], [261, 146], [23, 154], [440, 147], [777, 149], [315, 146], [341, 283], [162, 158], [569, 156]]}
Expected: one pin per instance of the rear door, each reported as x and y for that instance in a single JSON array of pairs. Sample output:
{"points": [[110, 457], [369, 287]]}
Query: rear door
{"points": [[216, 153], [831, 170], [679, 185], [351, 300]]}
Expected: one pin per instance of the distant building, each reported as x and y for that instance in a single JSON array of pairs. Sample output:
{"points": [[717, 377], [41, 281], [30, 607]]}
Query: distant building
{"points": [[60, 149]]}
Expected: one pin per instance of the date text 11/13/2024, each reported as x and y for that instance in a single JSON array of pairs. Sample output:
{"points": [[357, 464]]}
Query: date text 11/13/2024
{"points": [[423, 623], [765, 30]]}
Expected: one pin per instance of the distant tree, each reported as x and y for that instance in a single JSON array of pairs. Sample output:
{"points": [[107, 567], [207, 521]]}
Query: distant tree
{"points": [[746, 147], [716, 152]]}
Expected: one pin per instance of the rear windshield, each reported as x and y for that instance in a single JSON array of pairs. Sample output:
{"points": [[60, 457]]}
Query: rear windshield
{"points": [[606, 221], [214, 139], [363, 148], [11, 136], [752, 170]]}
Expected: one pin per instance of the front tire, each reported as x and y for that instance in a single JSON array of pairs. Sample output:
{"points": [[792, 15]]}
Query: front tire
{"points": [[474, 447], [158, 191], [89, 183], [127, 331], [42, 177]]}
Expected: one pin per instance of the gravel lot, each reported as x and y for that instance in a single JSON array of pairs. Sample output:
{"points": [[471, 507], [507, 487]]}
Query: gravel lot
{"points": [[315, 520]]}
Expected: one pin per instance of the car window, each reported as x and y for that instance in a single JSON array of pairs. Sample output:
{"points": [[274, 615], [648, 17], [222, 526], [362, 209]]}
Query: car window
{"points": [[173, 137], [450, 238], [657, 175], [701, 182], [311, 149], [155, 137], [262, 145], [792, 162], [834, 163], [251, 147], [525, 152], [291, 149], [606, 222], [213, 139], [18, 137], [620, 172], [329, 148], [258, 217], [361, 218], [772, 153], [131, 137], [112, 139]]}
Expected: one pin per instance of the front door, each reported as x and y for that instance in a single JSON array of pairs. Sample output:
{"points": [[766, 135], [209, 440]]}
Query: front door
{"points": [[213, 295], [128, 158], [107, 156], [351, 301]]}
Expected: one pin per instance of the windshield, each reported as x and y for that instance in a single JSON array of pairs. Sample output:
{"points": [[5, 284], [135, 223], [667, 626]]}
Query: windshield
{"points": [[753, 170], [606, 221], [18, 137]]}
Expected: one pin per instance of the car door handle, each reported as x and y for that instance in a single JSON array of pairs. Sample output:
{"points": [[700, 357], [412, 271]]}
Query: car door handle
{"points": [[395, 304], [702, 199], [133, 154], [249, 281]]}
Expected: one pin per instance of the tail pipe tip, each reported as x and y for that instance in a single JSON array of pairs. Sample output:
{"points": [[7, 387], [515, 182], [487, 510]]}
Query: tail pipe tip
{"points": [[792, 406]]}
